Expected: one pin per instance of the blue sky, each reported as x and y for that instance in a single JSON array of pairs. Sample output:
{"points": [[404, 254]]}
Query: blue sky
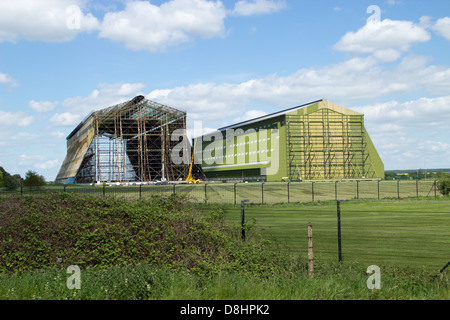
{"points": [[224, 62]]}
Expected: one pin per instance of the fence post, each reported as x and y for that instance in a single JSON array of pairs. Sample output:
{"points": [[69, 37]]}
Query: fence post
{"points": [[312, 191], [357, 189], [288, 192], [398, 189], [435, 185], [417, 188], [335, 190], [378, 187], [205, 194], [140, 192], [64, 188], [339, 230], [21, 190], [104, 189], [262, 193], [243, 218], [310, 251], [235, 193], [174, 189]]}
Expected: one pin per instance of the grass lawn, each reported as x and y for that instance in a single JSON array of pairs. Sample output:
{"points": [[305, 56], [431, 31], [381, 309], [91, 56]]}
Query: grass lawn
{"points": [[406, 233], [164, 249]]}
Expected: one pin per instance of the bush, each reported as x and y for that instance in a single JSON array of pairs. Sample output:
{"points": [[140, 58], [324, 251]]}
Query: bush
{"points": [[63, 228], [33, 179], [444, 183], [8, 181]]}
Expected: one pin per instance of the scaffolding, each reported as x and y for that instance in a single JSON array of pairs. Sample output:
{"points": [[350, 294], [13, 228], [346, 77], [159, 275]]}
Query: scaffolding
{"points": [[127, 142], [327, 145]]}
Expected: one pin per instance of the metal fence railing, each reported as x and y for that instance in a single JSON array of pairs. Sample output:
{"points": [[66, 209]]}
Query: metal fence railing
{"points": [[264, 193], [413, 234]]}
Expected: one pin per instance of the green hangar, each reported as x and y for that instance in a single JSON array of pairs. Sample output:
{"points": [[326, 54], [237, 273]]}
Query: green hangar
{"points": [[315, 141]]}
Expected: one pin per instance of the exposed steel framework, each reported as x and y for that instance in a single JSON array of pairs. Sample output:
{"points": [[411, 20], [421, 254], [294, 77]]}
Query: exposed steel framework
{"points": [[127, 142]]}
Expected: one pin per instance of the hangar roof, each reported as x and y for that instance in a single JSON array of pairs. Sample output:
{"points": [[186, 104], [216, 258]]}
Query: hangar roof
{"points": [[322, 104]]}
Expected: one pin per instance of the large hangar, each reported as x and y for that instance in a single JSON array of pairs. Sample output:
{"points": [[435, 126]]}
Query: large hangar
{"points": [[126, 142], [315, 141]]}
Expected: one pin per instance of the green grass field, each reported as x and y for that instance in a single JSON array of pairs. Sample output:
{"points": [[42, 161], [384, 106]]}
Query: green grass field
{"points": [[408, 239], [413, 234]]}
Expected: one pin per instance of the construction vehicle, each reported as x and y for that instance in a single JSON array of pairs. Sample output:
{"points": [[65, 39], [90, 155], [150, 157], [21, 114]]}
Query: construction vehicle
{"points": [[189, 178]]}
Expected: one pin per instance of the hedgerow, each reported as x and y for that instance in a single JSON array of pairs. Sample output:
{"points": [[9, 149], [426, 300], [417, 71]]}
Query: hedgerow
{"points": [[62, 229]]}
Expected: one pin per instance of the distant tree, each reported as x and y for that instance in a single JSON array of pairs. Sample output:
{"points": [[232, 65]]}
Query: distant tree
{"points": [[18, 178], [443, 183], [33, 179], [8, 181], [390, 175]]}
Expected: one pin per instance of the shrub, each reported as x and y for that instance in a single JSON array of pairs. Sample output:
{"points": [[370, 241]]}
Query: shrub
{"points": [[8, 181], [444, 183], [41, 231], [33, 179]]}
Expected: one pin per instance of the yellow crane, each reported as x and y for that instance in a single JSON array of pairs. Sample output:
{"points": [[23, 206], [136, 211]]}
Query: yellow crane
{"points": [[189, 178]]}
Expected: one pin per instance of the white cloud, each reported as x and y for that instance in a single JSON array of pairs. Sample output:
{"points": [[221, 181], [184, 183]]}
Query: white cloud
{"points": [[37, 161], [44, 20], [104, 96], [75, 109], [144, 26], [24, 136], [20, 119], [257, 7], [392, 35], [442, 26], [47, 164], [7, 79], [4, 78], [42, 106], [251, 114], [345, 83], [421, 113], [57, 134], [141, 25], [65, 119]]}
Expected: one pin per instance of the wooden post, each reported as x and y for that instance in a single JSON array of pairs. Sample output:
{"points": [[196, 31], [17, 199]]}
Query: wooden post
{"points": [[262, 193], [335, 191], [357, 189], [288, 192], [310, 251], [339, 230], [378, 188], [243, 219], [417, 188]]}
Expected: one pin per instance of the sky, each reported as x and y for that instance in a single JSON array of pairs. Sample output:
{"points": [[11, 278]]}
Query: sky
{"points": [[224, 62]]}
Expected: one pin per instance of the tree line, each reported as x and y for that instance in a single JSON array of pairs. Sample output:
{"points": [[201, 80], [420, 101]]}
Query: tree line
{"points": [[12, 182]]}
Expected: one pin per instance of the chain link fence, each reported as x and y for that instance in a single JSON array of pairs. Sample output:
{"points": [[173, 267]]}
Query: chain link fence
{"points": [[414, 234], [263, 193]]}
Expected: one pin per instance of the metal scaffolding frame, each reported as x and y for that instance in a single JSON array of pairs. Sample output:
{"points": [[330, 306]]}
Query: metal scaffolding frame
{"points": [[128, 142], [326, 145]]}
